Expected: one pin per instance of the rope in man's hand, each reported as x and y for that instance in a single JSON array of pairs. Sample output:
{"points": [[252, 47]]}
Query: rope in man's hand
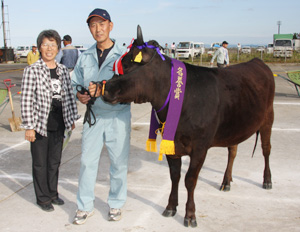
{"points": [[89, 114]]}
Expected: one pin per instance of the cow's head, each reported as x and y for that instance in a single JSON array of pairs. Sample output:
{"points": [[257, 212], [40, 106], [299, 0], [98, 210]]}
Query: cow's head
{"points": [[141, 68]]}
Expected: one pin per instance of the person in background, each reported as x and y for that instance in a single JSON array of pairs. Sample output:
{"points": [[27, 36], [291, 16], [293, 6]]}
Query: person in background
{"points": [[70, 54], [239, 46], [33, 55], [173, 47], [167, 50], [112, 124], [222, 56], [48, 107]]}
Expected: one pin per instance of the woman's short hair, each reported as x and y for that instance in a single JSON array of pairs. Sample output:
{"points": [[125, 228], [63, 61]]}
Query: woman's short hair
{"points": [[49, 34]]}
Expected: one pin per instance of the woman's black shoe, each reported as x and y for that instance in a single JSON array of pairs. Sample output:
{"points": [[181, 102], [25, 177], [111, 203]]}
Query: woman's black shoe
{"points": [[47, 207], [58, 201]]}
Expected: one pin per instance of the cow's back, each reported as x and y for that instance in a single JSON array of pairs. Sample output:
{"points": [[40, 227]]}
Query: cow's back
{"points": [[246, 97], [225, 106]]}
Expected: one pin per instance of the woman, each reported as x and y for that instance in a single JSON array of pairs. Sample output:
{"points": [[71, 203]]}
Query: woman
{"points": [[48, 107]]}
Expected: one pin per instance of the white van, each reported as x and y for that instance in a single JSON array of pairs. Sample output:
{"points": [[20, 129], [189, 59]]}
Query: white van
{"points": [[189, 49], [270, 48], [213, 48], [22, 51]]}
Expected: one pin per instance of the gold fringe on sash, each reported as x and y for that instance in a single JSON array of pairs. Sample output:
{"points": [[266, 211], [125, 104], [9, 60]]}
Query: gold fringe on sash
{"points": [[167, 147], [151, 145], [160, 157]]}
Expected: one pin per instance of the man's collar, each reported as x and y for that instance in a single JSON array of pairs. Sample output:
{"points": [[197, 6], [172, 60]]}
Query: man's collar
{"points": [[108, 46]]}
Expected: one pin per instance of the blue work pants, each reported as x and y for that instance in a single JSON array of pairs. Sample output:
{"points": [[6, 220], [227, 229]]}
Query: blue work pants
{"points": [[113, 131]]}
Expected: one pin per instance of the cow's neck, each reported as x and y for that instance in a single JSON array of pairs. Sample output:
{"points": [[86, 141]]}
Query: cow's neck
{"points": [[161, 89]]}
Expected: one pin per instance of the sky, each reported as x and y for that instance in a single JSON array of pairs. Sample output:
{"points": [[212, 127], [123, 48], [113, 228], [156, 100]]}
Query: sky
{"points": [[166, 21]]}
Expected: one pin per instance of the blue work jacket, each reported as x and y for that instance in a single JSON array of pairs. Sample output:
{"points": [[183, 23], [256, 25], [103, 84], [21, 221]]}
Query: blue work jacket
{"points": [[87, 70]]}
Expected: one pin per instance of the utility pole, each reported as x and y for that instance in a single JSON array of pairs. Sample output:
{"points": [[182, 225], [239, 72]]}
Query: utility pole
{"points": [[278, 23], [4, 31]]}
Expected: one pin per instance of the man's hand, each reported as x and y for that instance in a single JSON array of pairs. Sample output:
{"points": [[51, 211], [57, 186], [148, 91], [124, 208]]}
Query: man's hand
{"points": [[30, 135], [93, 87], [83, 98]]}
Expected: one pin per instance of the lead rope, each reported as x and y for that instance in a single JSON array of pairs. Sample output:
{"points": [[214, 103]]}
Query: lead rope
{"points": [[89, 112]]}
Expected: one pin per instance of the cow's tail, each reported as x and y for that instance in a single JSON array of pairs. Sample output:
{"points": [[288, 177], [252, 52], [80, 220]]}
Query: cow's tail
{"points": [[257, 134]]}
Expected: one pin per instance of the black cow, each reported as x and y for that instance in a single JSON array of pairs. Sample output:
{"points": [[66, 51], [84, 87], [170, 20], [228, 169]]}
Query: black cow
{"points": [[221, 108]]}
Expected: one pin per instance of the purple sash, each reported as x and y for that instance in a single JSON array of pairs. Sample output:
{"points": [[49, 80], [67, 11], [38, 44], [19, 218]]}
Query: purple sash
{"points": [[169, 128]]}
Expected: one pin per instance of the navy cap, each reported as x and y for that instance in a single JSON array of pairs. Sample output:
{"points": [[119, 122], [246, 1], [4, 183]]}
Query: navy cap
{"points": [[67, 38], [103, 14], [224, 42]]}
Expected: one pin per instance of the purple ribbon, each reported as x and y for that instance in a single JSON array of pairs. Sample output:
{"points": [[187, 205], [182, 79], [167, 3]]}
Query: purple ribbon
{"points": [[169, 94], [146, 45], [152, 47], [154, 125]]}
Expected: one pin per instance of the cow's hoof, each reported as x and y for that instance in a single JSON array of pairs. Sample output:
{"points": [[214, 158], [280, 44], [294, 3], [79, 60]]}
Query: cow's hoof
{"points": [[267, 185], [190, 222], [225, 188], [169, 213]]}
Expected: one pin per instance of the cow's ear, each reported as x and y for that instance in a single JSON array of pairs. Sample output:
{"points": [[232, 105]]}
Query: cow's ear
{"points": [[146, 57], [141, 57]]}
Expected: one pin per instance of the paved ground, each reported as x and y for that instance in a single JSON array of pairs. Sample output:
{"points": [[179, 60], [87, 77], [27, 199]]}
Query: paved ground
{"points": [[247, 207]]}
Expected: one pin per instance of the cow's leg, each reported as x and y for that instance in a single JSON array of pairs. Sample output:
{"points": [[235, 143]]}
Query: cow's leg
{"points": [[175, 169], [265, 132], [228, 173], [190, 184]]}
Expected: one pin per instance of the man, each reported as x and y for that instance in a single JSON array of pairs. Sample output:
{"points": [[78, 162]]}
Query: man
{"points": [[69, 54], [112, 122], [33, 55], [222, 56], [173, 47], [167, 50]]}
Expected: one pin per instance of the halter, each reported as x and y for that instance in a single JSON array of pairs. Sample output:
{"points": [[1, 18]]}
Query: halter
{"points": [[146, 45], [118, 68]]}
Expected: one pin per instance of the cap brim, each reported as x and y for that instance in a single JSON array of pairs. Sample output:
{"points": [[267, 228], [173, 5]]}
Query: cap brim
{"points": [[95, 16]]}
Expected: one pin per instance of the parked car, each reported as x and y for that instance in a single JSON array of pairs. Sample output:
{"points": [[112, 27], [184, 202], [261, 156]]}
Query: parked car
{"points": [[22, 51], [260, 49], [80, 48], [189, 49], [210, 52], [213, 47], [270, 48], [246, 50]]}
